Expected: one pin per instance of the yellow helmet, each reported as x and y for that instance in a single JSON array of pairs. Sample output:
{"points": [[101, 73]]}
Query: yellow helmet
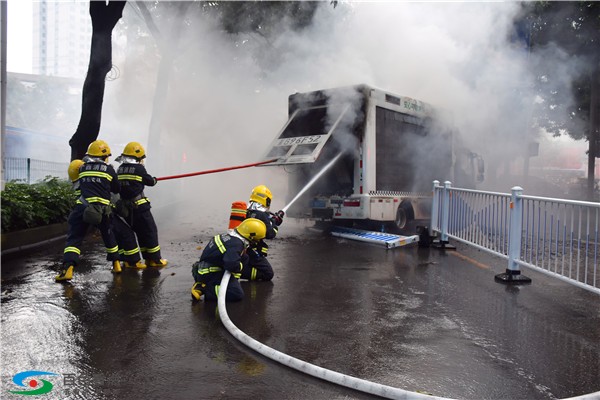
{"points": [[262, 195], [98, 148], [74, 170], [252, 229], [134, 149]]}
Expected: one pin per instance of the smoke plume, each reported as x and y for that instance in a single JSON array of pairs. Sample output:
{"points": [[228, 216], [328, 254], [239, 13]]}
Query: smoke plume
{"points": [[228, 94]]}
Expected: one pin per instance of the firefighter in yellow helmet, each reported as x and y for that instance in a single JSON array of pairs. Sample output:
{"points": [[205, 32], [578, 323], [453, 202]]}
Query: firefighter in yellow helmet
{"points": [[259, 267], [73, 172], [133, 178], [225, 252], [97, 180]]}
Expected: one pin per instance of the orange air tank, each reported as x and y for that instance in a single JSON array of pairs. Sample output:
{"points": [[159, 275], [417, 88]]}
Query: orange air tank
{"points": [[238, 214]]}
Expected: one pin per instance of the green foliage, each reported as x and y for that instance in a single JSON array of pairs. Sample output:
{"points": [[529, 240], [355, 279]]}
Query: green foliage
{"points": [[262, 16], [571, 27], [28, 206]]}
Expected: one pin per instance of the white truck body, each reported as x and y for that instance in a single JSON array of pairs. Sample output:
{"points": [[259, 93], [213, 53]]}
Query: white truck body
{"points": [[393, 147]]}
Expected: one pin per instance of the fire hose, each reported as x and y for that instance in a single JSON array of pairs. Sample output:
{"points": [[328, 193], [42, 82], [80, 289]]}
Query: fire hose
{"points": [[351, 382], [211, 171], [388, 392]]}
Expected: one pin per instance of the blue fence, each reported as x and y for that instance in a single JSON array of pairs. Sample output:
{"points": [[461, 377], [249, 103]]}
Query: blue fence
{"points": [[29, 170]]}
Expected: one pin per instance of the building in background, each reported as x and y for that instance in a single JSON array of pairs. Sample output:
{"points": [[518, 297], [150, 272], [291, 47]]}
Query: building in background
{"points": [[62, 33]]}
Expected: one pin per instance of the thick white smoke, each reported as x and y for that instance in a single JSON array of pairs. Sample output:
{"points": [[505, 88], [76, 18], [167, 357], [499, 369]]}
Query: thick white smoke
{"points": [[227, 96]]}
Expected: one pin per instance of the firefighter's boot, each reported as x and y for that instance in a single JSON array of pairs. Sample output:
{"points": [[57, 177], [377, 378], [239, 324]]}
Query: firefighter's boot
{"points": [[197, 290], [65, 274], [157, 263], [116, 268], [137, 265]]}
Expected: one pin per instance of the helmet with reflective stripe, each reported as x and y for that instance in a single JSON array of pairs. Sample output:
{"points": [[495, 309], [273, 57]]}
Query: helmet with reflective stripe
{"points": [[262, 195], [134, 149], [74, 170], [98, 148], [252, 229]]}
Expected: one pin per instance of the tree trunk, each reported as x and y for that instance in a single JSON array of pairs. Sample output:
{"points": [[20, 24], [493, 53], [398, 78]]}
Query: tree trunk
{"points": [[104, 18], [594, 138]]}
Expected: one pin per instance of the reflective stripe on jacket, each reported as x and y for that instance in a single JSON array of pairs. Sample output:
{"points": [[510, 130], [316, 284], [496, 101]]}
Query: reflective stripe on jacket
{"points": [[133, 178], [97, 180], [225, 252]]}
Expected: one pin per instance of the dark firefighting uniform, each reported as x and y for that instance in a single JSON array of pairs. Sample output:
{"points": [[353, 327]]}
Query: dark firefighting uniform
{"points": [[133, 178], [97, 180], [259, 267], [223, 252], [129, 251], [76, 189]]}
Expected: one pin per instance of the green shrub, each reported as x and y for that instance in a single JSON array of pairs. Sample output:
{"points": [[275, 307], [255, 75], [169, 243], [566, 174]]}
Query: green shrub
{"points": [[29, 206]]}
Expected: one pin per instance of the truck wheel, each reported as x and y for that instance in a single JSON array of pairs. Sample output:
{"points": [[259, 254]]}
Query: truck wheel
{"points": [[401, 218], [404, 215]]}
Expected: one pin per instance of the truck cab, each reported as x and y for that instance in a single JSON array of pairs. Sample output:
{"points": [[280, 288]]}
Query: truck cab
{"points": [[388, 151]]}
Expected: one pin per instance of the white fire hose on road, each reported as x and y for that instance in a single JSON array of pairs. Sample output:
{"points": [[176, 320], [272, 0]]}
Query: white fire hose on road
{"points": [[348, 381], [311, 369]]}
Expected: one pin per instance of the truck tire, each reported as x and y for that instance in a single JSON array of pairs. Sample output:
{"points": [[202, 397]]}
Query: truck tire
{"points": [[404, 215]]}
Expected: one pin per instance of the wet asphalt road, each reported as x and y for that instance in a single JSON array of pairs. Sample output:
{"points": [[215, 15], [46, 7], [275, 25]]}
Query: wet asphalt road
{"points": [[412, 318]]}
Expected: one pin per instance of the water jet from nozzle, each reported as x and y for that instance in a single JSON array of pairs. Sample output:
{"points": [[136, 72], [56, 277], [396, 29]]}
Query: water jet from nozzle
{"points": [[311, 182]]}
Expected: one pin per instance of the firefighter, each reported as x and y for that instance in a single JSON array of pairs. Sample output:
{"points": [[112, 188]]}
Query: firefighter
{"points": [[129, 251], [136, 206], [73, 172], [97, 180], [225, 252], [259, 267]]}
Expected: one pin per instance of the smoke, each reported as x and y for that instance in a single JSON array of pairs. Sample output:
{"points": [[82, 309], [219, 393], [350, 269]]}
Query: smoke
{"points": [[228, 94]]}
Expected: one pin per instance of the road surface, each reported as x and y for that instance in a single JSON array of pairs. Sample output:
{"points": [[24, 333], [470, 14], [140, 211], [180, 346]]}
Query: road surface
{"points": [[423, 320]]}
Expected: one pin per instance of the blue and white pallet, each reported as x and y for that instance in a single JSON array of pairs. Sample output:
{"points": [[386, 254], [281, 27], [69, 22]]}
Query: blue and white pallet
{"points": [[388, 240]]}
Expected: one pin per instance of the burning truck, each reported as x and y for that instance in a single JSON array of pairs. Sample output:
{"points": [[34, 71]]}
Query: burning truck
{"points": [[361, 156]]}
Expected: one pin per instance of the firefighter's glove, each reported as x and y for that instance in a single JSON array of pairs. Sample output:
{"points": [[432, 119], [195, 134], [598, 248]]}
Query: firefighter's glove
{"points": [[277, 218]]}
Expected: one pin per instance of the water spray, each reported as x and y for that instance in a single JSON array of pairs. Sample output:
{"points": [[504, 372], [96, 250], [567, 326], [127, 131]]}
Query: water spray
{"points": [[311, 182]]}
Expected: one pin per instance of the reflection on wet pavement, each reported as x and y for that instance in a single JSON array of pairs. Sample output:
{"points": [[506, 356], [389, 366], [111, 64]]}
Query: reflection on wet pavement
{"points": [[411, 318]]}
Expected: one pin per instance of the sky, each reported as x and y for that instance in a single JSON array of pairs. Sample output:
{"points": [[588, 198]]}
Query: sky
{"points": [[227, 98], [19, 36]]}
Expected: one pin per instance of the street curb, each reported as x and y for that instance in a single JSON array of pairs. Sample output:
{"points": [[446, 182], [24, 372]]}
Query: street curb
{"points": [[14, 242]]}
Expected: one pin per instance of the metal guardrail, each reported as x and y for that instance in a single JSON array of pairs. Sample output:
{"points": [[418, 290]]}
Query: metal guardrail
{"points": [[29, 170], [554, 236]]}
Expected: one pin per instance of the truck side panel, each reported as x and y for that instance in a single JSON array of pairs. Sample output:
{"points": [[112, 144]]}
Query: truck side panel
{"points": [[410, 154]]}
